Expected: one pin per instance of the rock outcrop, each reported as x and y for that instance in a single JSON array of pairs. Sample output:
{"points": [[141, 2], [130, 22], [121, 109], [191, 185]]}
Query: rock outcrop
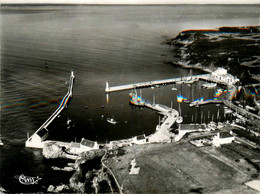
{"points": [[52, 150], [91, 176]]}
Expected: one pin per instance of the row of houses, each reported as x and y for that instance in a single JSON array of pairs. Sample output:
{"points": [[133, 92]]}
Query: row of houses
{"points": [[83, 146]]}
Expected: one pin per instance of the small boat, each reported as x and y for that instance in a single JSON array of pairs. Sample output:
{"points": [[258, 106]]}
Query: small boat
{"points": [[1, 143], [111, 120], [136, 100], [179, 119], [69, 121], [179, 82], [209, 85], [189, 82], [174, 89]]}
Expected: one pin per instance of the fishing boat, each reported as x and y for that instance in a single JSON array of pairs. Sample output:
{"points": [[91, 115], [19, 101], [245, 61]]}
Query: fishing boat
{"points": [[209, 85], [136, 100], [189, 81], [179, 82], [111, 120], [179, 120]]}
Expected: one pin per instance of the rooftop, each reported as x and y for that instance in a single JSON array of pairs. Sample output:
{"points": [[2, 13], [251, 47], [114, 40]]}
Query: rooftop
{"points": [[225, 134], [42, 132], [140, 137], [192, 126], [87, 143], [75, 145]]}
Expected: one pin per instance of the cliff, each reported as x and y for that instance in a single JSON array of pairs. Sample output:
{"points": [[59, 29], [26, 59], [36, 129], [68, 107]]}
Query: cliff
{"points": [[233, 48]]}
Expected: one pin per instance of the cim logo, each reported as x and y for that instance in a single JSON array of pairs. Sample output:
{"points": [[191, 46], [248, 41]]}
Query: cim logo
{"points": [[27, 180]]}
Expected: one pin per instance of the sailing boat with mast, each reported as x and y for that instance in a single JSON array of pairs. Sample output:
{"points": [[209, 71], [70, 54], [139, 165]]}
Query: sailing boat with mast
{"points": [[189, 80], [1, 143], [179, 119], [135, 99]]}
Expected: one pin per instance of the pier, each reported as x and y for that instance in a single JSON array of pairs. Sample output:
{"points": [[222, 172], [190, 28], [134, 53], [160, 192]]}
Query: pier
{"points": [[162, 133], [220, 76], [37, 139], [241, 111], [157, 82], [204, 102]]}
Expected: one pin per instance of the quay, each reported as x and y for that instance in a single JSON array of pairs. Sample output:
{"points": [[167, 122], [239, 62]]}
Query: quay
{"points": [[162, 109], [162, 133], [220, 76], [37, 139], [154, 83], [171, 116], [203, 102], [240, 110]]}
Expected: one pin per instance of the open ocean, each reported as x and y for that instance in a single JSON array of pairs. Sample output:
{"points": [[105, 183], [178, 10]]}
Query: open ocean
{"points": [[118, 44]]}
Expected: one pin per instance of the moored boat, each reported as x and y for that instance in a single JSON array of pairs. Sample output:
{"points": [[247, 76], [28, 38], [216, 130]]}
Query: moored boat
{"points": [[136, 100], [111, 120], [209, 85]]}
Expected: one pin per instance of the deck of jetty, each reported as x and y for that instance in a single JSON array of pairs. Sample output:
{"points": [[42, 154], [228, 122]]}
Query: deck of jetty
{"points": [[178, 80], [203, 102], [36, 140], [162, 133], [157, 82], [241, 111]]}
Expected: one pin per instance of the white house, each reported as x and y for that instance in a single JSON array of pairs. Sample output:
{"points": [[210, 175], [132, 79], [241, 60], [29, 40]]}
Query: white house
{"points": [[221, 75], [83, 146], [140, 139], [37, 139], [87, 145], [222, 138]]}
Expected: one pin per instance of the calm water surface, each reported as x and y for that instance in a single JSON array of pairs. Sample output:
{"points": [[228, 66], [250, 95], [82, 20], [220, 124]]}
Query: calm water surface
{"points": [[119, 44]]}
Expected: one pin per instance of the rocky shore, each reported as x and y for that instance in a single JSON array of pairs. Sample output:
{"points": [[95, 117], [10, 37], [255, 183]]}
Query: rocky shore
{"points": [[233, 48]]}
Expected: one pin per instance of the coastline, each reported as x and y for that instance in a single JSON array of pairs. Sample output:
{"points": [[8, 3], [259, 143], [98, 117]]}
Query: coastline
{"points": [[233, 48]]}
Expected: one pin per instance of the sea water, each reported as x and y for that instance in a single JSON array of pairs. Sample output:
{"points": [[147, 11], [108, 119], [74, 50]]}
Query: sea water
{"points": [[118, 44]]}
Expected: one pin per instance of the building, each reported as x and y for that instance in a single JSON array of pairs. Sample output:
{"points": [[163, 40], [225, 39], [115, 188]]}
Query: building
{"points": [[221, 75], [84, 146], [87, 145], [222, 138], [38, 138], [188, 128], [74, 148], [140, 139]]}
